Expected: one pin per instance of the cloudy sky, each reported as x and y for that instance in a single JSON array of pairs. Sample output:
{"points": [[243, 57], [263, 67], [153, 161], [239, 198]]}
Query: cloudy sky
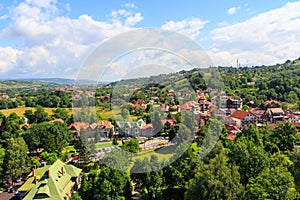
{"points": [[52, 38]]}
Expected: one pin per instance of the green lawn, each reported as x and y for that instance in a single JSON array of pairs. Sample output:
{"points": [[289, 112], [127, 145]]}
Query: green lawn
{"points": [[103, 144]]}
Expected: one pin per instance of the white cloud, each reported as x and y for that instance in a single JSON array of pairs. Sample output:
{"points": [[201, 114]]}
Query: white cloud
{"points": [[8, 58], [189, 27], [132, 20], [52, 42], [232, 10], [267, 38], [130, 5]]}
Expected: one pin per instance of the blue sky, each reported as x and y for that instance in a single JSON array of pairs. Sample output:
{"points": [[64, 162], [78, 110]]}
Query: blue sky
{"points": [[51, 38]]}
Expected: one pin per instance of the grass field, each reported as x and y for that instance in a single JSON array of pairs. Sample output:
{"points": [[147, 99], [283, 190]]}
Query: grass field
{"points": [[21, 110], [104, 113], [103, 144]]}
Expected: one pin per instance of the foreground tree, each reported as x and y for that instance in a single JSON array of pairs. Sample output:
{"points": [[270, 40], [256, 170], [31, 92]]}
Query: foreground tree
{"points": [[112, 184], [285, 136], [148, 177], [15, 157], [216, 180], [249, 157], [274, 183]]}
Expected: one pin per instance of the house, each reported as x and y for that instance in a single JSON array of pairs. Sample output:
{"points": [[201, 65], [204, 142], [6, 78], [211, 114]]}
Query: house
{"points": [[232, 131], [242, 118], [229, 121], [140, 103], [77, 126], [51, 182], [102, 127], [129, 129], [275, 115], [227, 102], [147, 131], [192, 106], [235, 103], [290, 116], [260, 114], [168, 123]]}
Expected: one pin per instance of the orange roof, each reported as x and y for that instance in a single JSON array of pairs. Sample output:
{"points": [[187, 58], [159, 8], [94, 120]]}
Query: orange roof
{"points": [[105, 123], [57, 120], [272, 102], [79, 125], [239, 114]]}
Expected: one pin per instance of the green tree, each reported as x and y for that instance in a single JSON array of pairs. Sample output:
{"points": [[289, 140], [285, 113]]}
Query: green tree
{"points": [[131, 146], [15, 157], [112, 185], [147, 177], [272, 183], [53, 137], [216, 180], [40, 115], [295, 170], [76, 196], [60, 113], [49, 158], [2, 156], [285, 136], [249, 157]]}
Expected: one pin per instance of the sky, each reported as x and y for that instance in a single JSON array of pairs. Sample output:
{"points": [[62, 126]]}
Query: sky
{"points": [[52, 38]]}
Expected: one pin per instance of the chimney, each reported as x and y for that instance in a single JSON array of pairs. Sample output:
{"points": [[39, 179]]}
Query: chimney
{"points": [[62, 171], [48, 172], [34, 180]]}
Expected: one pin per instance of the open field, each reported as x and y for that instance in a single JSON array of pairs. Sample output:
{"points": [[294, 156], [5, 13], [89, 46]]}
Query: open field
{"points": [[105, 114], [21, 110]]}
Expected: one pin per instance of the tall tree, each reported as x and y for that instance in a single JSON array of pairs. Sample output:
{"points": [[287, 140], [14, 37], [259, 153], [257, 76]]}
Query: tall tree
{"points": [[272, 183], [285, 136], [148, 177], [60, 113], [112, 185], [216, 180], [131, 146], [15, 157]]}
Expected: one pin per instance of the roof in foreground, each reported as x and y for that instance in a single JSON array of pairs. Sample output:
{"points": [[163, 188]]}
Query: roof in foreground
{"points": [[51, 182]]}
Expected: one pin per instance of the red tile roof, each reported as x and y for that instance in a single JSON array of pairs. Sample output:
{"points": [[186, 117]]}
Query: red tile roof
{"points": [[239, 114], [231, 136], [147, 126]]}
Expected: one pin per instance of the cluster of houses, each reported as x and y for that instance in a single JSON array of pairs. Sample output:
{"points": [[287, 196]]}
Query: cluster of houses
{"points": [[121, 128], [226, 108]]}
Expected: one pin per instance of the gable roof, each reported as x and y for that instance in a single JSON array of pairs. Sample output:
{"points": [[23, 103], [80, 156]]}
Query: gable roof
{"points": [[275, 110], [51, 182], [239, 114], [131, 124]]}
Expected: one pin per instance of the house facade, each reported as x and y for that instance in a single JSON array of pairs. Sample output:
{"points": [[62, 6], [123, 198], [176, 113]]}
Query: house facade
{"points": [[243, 118]]}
